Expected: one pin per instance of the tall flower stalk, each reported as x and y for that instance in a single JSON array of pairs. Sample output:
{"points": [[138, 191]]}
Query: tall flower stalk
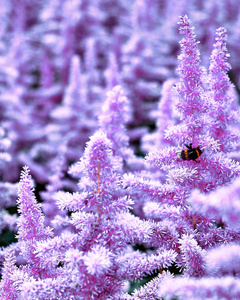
{"points": [[199, 124]]}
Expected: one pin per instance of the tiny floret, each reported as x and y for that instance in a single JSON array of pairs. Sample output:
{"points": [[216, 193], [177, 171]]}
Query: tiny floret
{"points": [[98, 260]]}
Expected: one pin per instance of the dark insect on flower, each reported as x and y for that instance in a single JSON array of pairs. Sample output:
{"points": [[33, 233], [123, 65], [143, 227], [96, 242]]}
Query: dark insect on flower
{"points": [[190, 154]]}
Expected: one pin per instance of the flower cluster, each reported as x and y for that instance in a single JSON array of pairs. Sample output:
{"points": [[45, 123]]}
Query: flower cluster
{"points": [[129, 171]]}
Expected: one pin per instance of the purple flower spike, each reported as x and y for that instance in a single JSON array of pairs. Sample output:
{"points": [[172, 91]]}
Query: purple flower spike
{"points": [[190, 87], [224, 260], [115, 115], [31, 221], [31, 226], [97, 160], [98, 187], [7, 288], [193, 256], [222, 93]]}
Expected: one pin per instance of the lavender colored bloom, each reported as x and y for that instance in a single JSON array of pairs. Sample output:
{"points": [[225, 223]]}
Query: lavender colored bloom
{"points": [[115, 115], [96, 162], [165, 116], [98, 260], [224, 260], [222, 204], [190, 87], [7, 288], [31, 226], [221, 91], [193, 256], [204, 288], [150, 290]]}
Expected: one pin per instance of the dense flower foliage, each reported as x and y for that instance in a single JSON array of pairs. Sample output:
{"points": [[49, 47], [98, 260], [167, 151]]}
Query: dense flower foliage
{"points": [[119, 150]]}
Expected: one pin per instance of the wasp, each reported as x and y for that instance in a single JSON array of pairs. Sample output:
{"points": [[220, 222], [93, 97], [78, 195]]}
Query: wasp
{"points": [[191, 153]]}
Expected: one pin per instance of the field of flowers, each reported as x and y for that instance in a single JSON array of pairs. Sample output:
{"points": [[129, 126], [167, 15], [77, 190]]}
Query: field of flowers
{"points": [[119, 149]]}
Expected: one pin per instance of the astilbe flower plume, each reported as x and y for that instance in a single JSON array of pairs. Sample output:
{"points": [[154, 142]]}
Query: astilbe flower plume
{"points": [[75, 118], [116, 113], [31, 226], [222, 204], [221, 90], [7, 289], [31, 229], [165, 116]]}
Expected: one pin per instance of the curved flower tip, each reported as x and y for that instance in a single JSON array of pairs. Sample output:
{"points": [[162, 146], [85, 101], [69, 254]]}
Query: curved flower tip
{"points": [[115, 114], [98, 159], [184, 22]]}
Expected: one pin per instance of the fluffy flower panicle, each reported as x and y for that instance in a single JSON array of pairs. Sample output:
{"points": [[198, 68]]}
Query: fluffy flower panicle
{"points": [[97, 162], [205, 288], [223, 204], [31, 221], [165, 116], [224, 260], [221, 90], [100, 184], [115, 114], [190, 87], [7, 288], [193, 256], [219, 66]]}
